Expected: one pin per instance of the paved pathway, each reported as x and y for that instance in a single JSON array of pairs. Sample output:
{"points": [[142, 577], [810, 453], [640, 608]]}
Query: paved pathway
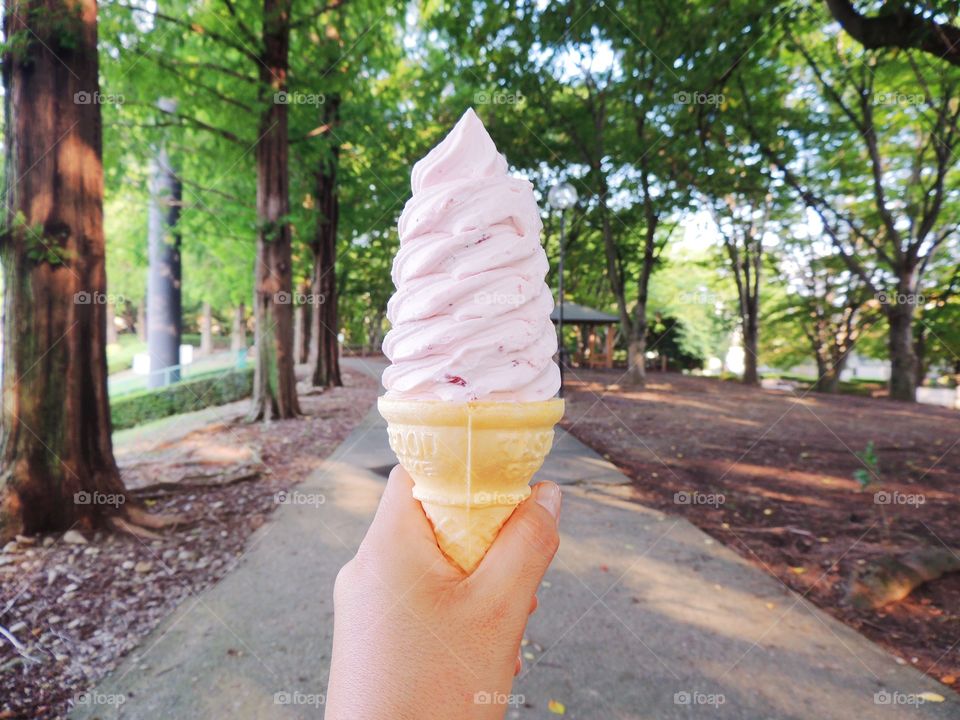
{"points": [[642, 616]]}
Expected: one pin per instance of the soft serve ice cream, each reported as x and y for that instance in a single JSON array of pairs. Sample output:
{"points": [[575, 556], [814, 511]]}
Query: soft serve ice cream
{"points": [[471, 314]]}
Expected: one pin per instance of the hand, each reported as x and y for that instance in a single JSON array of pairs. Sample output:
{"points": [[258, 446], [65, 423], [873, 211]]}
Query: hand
{"points": [[414, 637]]}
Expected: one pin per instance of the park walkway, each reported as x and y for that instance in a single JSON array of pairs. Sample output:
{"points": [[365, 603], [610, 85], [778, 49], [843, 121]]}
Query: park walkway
{"points": [[641, 616]]}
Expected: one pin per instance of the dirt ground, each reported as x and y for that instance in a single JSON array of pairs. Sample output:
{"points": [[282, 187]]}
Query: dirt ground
{"points": [[76, 604], [770, 474]]}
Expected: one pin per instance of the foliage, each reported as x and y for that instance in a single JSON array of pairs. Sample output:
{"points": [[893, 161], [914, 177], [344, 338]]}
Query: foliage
{"points": [[185, 396]]}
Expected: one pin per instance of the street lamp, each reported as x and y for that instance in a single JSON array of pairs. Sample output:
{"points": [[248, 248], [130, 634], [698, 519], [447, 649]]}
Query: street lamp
{"points": [[561, 197]]}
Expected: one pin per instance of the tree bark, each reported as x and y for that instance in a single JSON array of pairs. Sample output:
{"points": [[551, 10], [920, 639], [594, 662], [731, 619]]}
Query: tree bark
{"points": [[238, 334], [57, 454], [303, 351], [903, 360], [142, 320], [299, 319], [901, 28], [111, 324], [750, 343], [325, 320], [206, 329], [164, 324], [636, 359], [275, 382], [920, 351]]}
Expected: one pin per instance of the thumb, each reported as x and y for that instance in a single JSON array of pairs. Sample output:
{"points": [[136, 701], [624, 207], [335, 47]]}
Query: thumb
{"points": [[521, 554]]}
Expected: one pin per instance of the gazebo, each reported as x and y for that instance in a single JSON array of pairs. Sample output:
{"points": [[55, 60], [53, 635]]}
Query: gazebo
{"points": [[587, 320]]}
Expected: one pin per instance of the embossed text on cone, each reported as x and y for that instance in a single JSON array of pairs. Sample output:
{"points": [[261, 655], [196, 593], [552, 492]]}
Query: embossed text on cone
{"points": [[471, 463]]}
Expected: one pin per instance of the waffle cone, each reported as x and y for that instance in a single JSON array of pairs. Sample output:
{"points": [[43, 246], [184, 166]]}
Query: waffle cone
{"points": [[471, 464]]}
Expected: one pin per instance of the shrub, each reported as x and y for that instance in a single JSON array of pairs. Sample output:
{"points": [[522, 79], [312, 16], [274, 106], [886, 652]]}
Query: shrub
{"points": [[185, 396]]}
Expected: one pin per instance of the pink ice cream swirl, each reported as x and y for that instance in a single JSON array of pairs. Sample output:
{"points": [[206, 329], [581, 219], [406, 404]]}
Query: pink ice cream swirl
{"points": [[471, 314]]}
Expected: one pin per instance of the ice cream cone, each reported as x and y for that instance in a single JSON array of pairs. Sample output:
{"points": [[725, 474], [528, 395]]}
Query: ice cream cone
{"points": [[471, 463]]}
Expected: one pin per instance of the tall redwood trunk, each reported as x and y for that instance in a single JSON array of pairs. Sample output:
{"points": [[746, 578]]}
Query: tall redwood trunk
{"points": [[303, 348], [164, 321], [275, 384], [206, 329], [325, 320], [58, 468], [238, 334]]}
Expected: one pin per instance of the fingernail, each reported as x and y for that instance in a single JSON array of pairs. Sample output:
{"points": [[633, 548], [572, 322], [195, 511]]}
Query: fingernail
{"points": [[548, 495]]}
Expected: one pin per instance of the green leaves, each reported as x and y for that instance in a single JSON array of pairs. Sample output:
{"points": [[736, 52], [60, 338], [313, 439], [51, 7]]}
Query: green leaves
{"points": [[866, 476]]}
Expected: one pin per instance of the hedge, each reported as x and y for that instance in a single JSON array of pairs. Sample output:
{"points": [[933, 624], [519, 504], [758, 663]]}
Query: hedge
{"points": [[185, 396]]}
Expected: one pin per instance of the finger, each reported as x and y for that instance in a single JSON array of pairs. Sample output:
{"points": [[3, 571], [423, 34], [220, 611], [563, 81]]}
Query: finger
{"points": [[521, 554], [400, 522]]}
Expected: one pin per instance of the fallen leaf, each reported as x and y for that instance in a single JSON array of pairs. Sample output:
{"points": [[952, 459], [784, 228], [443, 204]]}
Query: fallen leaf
{"points": [[556, 707], [798, 570], [767, 511], [932, 697], [605, 568], [948, 679]]}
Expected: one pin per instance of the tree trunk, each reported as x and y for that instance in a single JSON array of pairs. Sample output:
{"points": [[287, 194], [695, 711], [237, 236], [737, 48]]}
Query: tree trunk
{"points": [[829, 372], [206, 329], [303, 354], [903, 361], [164, 324], [238, 334], [920, 351], [750, 341], [57, 454], [275, 382], [299, 320], [326, 370], [142, 320], [637, 352], [111, 324]]}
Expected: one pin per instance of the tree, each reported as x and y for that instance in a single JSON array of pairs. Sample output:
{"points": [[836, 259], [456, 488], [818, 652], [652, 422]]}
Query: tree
{"points": [[326, 342], [57, 454], [876, 165], [742, 223], [832, 314], [164, 318], [904, 25]]}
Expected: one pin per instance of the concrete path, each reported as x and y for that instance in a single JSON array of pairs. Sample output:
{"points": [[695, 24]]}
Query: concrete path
{"points": [[642, 616]]}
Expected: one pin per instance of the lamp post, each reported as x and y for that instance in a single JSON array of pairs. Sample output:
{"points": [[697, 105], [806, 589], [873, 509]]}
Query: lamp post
{"points": [[561, 197]]}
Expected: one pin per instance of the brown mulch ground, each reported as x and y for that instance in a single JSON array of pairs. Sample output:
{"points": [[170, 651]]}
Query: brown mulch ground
{"points": [[784, 463], [76, 608]]}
